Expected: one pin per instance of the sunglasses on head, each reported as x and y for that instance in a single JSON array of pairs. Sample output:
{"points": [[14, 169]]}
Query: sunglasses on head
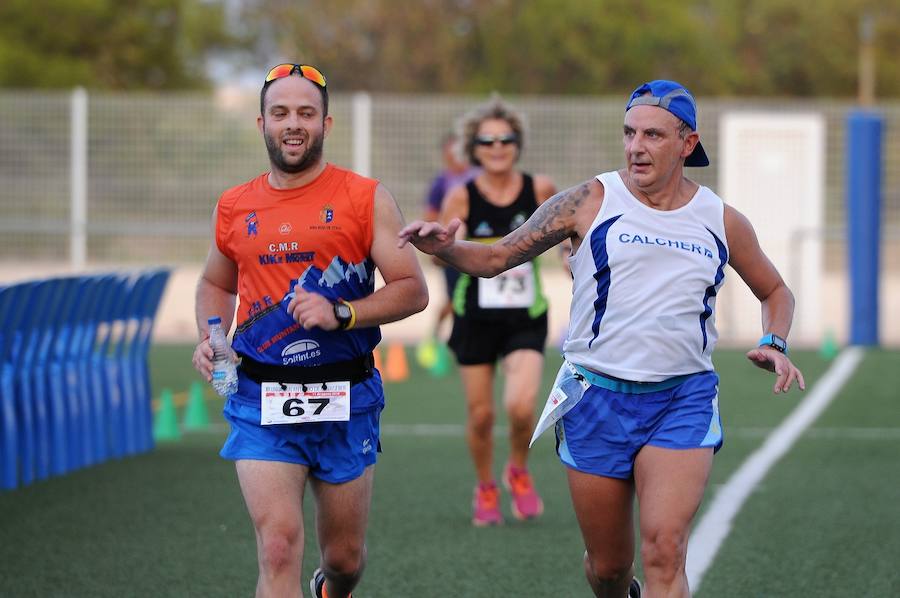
{"points": [[487, 140], [304, 70]]}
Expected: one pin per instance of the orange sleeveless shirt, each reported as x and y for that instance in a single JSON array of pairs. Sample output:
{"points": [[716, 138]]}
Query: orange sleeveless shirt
{"points": [[319, 236]]}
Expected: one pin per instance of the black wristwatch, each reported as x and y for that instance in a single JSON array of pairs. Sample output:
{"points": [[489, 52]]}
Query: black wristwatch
{"points": [[774, 341], [343, 313]]}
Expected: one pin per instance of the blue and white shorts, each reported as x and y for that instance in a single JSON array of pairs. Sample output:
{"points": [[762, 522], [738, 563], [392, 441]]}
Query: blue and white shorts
{"points": [[603, 433]]}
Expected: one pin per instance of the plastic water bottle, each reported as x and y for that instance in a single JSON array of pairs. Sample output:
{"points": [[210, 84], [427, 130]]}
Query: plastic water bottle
{"points": [[224, 373]]}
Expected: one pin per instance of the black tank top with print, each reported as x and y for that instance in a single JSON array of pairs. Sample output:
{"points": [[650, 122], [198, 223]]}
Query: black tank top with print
{"points": [[479, 299]]}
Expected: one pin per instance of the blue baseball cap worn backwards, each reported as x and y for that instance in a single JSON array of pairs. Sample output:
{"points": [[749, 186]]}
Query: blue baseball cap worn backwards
{"points": [[675, 98]]}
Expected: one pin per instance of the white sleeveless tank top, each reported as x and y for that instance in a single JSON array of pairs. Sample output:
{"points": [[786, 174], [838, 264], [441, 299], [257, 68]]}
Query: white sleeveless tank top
{"points": [[645, 286]]}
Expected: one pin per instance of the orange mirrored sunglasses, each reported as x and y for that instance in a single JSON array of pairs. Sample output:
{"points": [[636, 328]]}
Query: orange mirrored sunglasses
{"points": [[305, 71]]}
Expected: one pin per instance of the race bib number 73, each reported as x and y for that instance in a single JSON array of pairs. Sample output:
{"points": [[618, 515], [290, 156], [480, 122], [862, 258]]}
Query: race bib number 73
{"points": [[511, 289], [300, 404]]}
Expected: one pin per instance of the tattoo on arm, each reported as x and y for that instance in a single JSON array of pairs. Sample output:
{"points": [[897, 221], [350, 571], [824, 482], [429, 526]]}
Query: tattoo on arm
{"points": [[553, 222]]}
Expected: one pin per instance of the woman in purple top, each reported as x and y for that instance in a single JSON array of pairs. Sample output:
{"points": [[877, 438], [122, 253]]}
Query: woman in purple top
{"points": [[456, 172]]}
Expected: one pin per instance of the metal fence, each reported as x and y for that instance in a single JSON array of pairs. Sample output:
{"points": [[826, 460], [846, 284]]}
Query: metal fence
{"points": [[156, 164]]}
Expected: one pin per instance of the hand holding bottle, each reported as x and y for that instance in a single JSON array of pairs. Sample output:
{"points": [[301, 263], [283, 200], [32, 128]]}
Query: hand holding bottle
{"points": [[215, 360]]}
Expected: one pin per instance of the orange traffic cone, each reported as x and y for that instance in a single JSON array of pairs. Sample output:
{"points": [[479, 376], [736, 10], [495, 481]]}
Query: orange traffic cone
{"points": [[376, 353], [397, 369]]}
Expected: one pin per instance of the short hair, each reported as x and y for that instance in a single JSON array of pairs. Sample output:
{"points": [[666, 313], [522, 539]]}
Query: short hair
{"points": [[322, 90], [495, 108]]}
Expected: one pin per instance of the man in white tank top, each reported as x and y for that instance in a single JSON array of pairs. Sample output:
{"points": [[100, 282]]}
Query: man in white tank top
{"points": [[636, 402]]}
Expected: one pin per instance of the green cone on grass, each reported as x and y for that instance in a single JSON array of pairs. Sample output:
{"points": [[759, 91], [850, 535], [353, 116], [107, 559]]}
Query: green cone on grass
{"points": [[441, 365], [165, 425], [829, 348], [196, 416], [426, 353]]}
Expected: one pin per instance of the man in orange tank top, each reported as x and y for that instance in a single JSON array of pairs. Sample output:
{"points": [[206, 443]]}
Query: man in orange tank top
{"points": [[299, 246]]}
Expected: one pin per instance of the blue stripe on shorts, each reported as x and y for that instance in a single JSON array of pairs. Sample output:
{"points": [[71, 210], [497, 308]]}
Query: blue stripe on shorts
{"points": [[604, 432]]}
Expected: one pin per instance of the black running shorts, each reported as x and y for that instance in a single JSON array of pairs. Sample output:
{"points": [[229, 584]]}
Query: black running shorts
{"points": [[484, 341]]}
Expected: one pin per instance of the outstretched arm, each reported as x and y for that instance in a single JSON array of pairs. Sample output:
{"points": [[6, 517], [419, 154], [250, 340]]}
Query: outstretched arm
{"points": [[404, 292], [776, 300], [555, 220]]}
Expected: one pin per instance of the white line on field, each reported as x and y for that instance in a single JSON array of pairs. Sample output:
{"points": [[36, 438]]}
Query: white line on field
{"points": [[715, 524]]}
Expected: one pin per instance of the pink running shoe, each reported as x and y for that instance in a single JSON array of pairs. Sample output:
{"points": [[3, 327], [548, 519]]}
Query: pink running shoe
{"points": [[526, 504], [486, 505]]}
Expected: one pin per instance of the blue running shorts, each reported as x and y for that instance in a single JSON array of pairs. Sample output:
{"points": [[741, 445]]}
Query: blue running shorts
{"points": [[335, 452], [603, 433]]}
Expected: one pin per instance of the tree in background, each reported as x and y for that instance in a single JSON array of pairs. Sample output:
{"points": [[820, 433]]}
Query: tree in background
{"points": [[790, 48], [377, 45], [722, 47], [109, 44]]}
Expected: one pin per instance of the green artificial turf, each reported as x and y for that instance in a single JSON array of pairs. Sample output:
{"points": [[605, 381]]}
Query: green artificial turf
{"points": [[172, 522]]}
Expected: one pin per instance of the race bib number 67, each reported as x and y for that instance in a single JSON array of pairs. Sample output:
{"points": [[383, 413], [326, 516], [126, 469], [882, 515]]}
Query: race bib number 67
{"points": [[300, 404]]}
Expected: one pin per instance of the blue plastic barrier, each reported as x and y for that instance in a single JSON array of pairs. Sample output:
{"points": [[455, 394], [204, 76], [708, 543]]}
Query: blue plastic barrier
{"points": [[74, 374], [111, 351], [30, 386], [140, 365], [9, 439]]}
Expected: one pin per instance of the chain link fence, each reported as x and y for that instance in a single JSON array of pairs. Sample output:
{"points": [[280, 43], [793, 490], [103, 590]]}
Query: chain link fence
{"points": [[157, 163]]}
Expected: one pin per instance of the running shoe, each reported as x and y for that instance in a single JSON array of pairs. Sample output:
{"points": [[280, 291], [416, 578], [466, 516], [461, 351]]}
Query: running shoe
{"points": [[486, 505], [526, 504], [317, 584]]}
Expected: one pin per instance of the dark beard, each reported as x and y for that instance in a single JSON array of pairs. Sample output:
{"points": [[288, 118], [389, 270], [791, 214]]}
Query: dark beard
{"points": [[312, 155]]}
